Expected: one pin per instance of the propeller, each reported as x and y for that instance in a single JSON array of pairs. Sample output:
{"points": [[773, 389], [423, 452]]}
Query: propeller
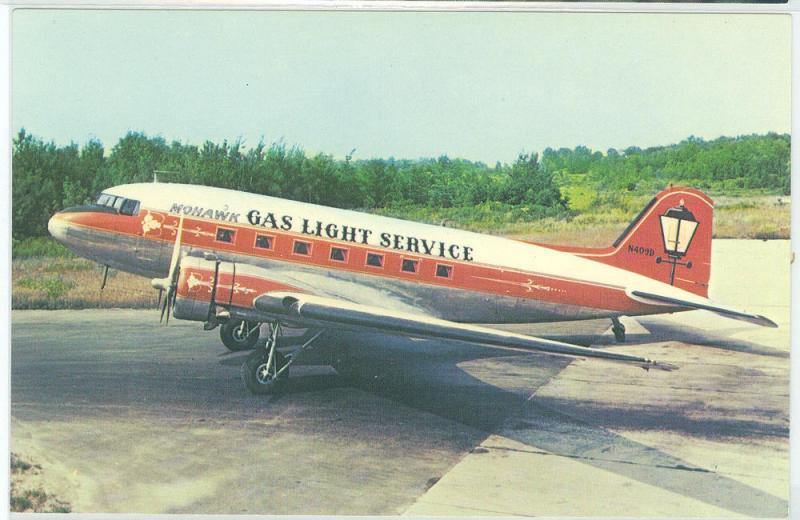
{"points": [[170, 283]]}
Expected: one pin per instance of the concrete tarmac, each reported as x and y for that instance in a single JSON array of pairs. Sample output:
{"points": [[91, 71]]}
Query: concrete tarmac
{"points": [[127, 416]]}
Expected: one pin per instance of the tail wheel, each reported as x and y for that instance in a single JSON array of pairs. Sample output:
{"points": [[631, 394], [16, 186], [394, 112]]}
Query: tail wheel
{"points": [[239, 335], [259, 377]]}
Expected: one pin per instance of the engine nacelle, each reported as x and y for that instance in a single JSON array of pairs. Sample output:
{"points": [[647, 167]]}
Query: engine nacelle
{"points": [[232, 286]]}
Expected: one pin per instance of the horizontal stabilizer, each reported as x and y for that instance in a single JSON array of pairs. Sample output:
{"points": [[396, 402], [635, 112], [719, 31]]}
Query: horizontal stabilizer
{"points": [[328, 311], [658, 299]]}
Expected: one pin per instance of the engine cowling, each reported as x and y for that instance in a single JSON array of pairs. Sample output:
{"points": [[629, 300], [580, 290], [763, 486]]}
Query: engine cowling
{"points": [[231, 285]]}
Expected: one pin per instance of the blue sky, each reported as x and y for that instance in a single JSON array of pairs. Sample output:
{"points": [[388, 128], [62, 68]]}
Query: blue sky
{"points": [[483, 86]]}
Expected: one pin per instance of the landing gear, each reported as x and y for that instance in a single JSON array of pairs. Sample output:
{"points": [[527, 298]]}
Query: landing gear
{"points": [[267, 370], [262, 375], [239, 335], [618, 329]]}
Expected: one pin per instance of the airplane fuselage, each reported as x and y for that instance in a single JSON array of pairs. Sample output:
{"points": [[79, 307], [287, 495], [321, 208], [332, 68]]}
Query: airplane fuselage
{"points": [[447, 273]]}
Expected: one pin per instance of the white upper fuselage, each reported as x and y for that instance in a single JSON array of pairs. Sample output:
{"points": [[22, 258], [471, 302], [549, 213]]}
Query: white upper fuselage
{"points": [[251, 209]]}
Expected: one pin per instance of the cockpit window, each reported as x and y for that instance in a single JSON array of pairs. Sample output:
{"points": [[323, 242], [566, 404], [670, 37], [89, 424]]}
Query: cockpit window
{"points": [[129, 207], [109, 201], [120, 204]]}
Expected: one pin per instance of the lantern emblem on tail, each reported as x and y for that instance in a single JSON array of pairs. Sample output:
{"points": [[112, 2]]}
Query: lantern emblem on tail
{"points": [[678, 227]]}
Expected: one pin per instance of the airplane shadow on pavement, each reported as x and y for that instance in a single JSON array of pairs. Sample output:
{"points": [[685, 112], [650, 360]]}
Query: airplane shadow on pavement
{"points": [[495, 397], [168, 378], [662, 330], [659, 329]]}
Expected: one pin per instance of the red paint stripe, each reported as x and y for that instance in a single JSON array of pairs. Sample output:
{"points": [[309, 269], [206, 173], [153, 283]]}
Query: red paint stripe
{"points": [[471, 276], [196, 283]]}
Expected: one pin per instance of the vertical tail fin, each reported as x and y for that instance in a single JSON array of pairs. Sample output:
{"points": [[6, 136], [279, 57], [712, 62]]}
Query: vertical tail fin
{"points": [[669, 241]]}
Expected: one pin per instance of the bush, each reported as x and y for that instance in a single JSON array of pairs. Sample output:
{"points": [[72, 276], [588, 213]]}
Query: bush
{"points": [[39, 247]]}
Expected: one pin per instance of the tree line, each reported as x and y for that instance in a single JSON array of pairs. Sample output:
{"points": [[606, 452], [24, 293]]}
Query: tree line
{"points": [[47, 177], [726, 164]]}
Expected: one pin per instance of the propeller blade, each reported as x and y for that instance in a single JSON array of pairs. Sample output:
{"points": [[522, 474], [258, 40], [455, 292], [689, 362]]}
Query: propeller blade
{"points": [[171, 281], [170, 304], [164, 309], [176, 250], [105, 278], [173, 291], [160, 294]]}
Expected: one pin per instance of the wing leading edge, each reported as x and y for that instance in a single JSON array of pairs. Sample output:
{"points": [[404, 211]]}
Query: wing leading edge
{"points": [[327, 311]]}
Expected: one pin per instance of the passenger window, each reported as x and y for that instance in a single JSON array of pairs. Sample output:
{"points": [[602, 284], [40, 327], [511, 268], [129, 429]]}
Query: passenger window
{"points": [[103, 199], [339, 254], [301, 248], [118, 203], [225, 235], [264, 241], [130, 207], [409, 266], [375, 259], [444, 271]]}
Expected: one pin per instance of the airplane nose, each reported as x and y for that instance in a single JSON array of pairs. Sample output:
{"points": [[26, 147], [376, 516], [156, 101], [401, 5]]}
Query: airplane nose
{"points": [[57, 226]]}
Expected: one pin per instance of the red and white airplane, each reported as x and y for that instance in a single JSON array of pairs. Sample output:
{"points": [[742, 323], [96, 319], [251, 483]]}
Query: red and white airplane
{"points": [[241, 260]]}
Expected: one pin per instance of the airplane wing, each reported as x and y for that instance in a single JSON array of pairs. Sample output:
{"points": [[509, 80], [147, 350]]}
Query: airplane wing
{"points": [[323, 312], [707, 305]]}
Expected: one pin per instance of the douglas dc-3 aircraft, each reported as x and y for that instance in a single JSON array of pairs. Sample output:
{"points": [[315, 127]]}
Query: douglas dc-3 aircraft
{"points": [[242, 260]]}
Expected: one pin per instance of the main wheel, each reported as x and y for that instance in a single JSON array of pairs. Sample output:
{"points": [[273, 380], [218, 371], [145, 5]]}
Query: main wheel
{"points": [[236, 338], [256, 376]]}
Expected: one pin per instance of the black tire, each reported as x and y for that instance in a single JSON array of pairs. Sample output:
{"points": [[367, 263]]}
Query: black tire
{"points": [[229, 334], [253, 373]]}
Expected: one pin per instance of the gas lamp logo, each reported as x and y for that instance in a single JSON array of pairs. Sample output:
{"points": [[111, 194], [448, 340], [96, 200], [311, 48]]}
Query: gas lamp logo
{"points": [[678, 227]]}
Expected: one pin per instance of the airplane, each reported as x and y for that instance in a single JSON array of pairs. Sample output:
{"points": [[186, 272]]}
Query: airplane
{"points": [[242, 260]]}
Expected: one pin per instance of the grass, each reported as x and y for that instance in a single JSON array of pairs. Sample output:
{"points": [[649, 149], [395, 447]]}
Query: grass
{"points": [[20, 466], [37, 501], [74, 283], [45, 275], [762, 219], [758, 223], [53, 286], [602, 218], [31, 500]]}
